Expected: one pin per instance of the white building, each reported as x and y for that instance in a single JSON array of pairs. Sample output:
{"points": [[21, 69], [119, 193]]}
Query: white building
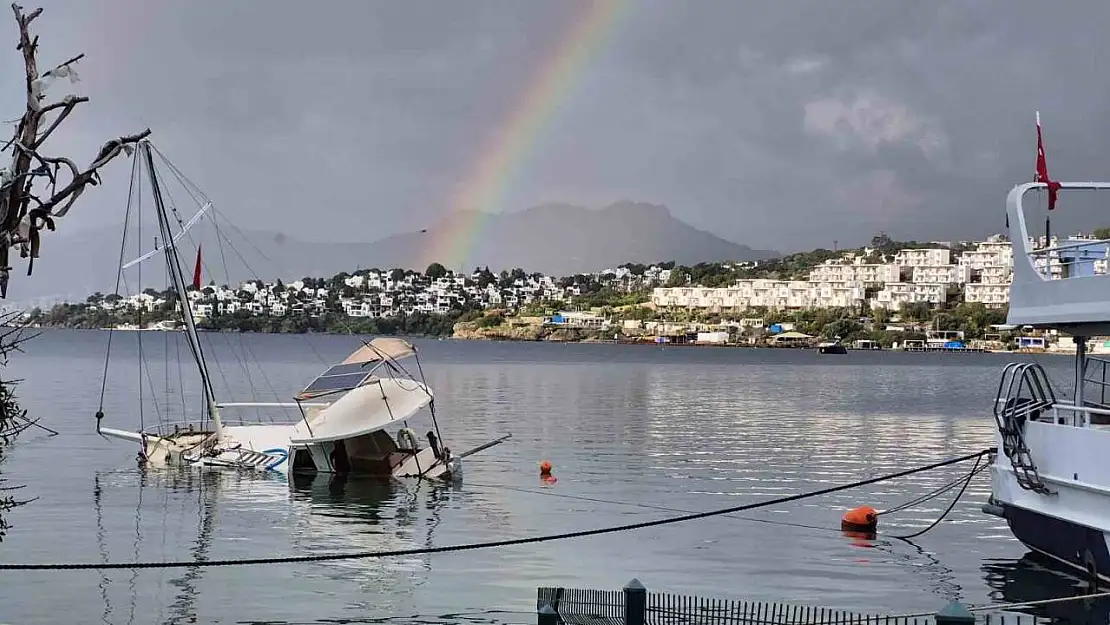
{"points": [[932, 256], [774, 294], [940, 274], [991, 294], [898, 294], [841, 271]]}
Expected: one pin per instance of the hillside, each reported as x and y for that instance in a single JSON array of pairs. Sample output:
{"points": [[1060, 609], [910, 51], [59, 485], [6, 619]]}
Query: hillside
{"points": [[553, 239]]}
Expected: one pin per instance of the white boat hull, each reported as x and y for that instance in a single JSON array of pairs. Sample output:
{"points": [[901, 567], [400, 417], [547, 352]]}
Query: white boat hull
{"points": [[1070, 526], [269, 447]]}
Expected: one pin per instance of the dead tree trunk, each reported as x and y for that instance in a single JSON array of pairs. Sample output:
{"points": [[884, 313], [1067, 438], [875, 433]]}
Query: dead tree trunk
{"points": [[34, 191], [37, 188]]}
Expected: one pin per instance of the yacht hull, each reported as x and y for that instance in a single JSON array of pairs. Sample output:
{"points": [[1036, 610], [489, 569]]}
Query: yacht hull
{"points": [[1071, 524], [268, 448], [1074, 546]]}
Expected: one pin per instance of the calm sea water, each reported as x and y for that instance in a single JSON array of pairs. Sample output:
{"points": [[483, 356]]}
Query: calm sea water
{"points": [[682, 428]]}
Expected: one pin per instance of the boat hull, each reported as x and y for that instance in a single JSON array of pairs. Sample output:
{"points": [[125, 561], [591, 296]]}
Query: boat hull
{"points": [[1081, 549], [269, 448], [1070, 525]]}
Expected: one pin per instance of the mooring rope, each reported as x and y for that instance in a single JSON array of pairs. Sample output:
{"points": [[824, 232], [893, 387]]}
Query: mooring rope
{"points": [[933, 494], [970, 476], [1031, 604], [962, 479], [632, 504], [362, 555]]}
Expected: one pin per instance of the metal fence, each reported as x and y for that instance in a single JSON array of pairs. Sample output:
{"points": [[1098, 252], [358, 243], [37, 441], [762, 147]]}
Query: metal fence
{"points": [[634, 605]]}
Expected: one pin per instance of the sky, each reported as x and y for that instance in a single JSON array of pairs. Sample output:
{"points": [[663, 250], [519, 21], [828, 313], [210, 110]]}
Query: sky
{"points": [[781, 124]]}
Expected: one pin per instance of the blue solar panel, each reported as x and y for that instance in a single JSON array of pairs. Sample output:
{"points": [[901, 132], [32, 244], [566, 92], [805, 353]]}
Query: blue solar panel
{"points": [[344, 369], [335, 382]]}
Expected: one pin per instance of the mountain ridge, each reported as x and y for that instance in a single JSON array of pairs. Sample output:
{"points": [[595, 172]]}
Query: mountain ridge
{"points": [[553, 238]]}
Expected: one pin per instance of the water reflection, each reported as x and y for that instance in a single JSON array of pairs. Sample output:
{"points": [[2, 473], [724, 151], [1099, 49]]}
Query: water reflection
{"points": [[676, 428], [207, 487], [329, 514], [1033, 578]]}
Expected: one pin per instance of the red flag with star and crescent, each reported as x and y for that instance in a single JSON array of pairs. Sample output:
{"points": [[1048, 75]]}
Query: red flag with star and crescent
{"points": [[1042, 169]]}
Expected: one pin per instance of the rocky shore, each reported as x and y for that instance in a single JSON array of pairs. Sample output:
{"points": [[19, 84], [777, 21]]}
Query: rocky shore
{"points": [[527, 330]]}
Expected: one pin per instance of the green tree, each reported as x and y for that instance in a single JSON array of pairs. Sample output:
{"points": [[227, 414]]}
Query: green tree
{"points": [[677, 277], [435, 271]]}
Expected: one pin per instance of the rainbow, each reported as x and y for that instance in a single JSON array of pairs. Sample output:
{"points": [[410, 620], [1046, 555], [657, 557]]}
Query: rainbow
{"points": [[501, 158]]}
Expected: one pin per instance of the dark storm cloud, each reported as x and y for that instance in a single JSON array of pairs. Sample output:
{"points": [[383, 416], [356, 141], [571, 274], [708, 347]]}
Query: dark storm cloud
{"points": [[786, 123]]}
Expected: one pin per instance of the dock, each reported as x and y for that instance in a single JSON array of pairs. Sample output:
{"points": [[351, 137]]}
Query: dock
{"points": [[634, 605], [942, 348]]}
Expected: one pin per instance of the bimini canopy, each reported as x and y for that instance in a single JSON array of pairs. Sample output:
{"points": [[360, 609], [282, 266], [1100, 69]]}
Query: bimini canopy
{"points": [[380, 349], [364, 410], [358, 368]]}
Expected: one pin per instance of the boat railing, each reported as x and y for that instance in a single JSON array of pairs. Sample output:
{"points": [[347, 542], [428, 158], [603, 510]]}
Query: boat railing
{"points": [[1061, 284], [200, 427], [1074, 259], [1065, 413], [273, 404], [1095, 374]]}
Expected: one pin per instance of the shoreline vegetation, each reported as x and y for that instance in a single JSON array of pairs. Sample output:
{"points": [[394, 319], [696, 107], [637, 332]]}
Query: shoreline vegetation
{"points": [[612, 306]]}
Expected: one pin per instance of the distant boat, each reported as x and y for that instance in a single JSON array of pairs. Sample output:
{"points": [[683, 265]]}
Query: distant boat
{"points": [[832, 347]]}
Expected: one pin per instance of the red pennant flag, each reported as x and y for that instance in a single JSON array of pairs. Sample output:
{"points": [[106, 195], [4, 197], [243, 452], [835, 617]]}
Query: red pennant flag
{"points": [[1042, 169], [196, 272]]}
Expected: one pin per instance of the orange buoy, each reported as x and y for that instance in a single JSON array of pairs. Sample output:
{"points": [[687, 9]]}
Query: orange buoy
{"points": [[861, 519], [545, 474]]}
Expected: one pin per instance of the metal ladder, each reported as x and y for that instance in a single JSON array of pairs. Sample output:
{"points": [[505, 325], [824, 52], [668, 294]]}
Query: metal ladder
{"points": [[1024, 394], [251, 458]]}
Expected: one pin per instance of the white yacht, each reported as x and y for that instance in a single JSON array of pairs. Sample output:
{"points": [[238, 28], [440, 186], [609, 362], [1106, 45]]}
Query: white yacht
{"points": [[1048, 478]]}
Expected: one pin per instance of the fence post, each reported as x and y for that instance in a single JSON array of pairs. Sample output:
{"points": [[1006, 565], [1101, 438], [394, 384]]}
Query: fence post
{"points": [[546, 615], [955, 614], [635, 603]]}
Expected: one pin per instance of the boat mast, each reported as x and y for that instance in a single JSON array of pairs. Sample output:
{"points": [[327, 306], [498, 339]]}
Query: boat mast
{"points": [[174, 266]]}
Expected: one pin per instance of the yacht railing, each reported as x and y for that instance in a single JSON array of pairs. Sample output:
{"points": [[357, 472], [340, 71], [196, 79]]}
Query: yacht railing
{"points": [[1097, 375], [200, 427], [1077, 416], [1055, 263], [1064, 413]]}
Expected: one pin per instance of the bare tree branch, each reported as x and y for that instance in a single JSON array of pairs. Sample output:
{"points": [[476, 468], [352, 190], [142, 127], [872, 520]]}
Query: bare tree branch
{"points": [[23, 211], [68, 105]]}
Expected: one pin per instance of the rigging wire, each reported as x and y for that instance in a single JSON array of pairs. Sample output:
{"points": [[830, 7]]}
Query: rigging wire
{"points": [[197, 195], [174, 262], [189, 184], [119, 277], [361, 555], [219, 240]]}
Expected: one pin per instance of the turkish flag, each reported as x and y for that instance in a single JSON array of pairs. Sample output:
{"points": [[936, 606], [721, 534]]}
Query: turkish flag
{"points": [[1042, 169]]}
